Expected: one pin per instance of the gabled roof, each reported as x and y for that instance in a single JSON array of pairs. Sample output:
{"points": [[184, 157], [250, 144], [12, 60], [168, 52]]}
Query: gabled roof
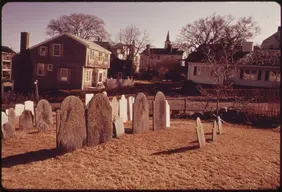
{"points": [[7, 49], [104, 44], [87, 43], [174, 51]]}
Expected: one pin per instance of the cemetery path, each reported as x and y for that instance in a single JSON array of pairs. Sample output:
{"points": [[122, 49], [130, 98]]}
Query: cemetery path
{"points": [[241, 158]]}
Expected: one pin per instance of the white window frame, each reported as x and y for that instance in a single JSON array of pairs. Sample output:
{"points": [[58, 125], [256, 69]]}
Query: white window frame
{"points": [[61, 72], [106, 58], [100, 56], [49, 67], [42, 65], [92, 55], [41, 53], [251, 75], [54, 45], [88, 75]]}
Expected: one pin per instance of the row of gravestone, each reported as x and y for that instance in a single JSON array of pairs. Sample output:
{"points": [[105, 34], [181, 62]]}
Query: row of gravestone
{"points": [[217, 129], [100, 119]]}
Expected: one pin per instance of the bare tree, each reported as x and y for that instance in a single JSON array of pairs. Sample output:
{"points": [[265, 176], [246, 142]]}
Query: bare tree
{"points": [[86, 26]]}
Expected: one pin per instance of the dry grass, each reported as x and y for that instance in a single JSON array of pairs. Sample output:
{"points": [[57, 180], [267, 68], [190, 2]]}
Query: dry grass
{"points": [[241, 158]]}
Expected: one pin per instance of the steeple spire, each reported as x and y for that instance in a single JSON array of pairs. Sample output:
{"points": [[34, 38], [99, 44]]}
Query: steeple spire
{"points": [[167, 42], [167, 36]]}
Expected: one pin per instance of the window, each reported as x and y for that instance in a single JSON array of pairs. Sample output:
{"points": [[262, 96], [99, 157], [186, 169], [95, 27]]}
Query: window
{"points": [[250, 74], [91, 54], [274, 76], [64, 74], [43, 50], [50, 67], [56, 49], [195, 71], [106, 57], [88, 76], [40, 69], [100, 77], [100, 57], [6, 65]]}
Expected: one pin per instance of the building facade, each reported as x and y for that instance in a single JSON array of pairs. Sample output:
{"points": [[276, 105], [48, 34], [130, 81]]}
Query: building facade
{"points": [[6, 70], [273, 41]]}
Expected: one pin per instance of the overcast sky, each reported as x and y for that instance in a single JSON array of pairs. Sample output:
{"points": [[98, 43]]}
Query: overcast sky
{"points": [[156, 18]]}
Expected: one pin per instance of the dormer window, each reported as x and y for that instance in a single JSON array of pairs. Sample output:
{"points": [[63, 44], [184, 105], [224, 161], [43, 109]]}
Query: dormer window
{"points": [[56, 49], [43, 50]]}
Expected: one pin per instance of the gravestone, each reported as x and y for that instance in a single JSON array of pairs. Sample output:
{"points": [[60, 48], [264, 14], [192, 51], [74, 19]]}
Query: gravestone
{"points": [[8, 130], [140, 120], [29, 105], [26, 120], [71, 134], [219, 125], [58, 115], [12, 118], [88, 97], [19, 108], [159, 115], [105, 93], [167, 114], [123, 108], [118, 127], [200, 133], [44, 116], [214, 131], [130, 104], [4, 118], [99, 120], [114, 105], [7, 111]]}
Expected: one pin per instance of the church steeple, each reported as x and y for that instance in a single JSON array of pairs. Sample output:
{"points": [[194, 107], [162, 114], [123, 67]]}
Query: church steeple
{"points": [[167, 42], [167, 36]]}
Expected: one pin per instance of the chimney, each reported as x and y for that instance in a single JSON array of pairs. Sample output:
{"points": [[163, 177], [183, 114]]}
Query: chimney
{"points": [[148, 49], [248, 46], [24, 41]]}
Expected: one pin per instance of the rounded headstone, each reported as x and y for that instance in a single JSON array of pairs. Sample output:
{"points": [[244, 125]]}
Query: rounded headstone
{"points": [[118, 127], [123, 108], [114, 105], [8, 130], [44, 116], [99, 120], [26, 120], [159, 115], [140, 114], [72, 129], [12, 118]]}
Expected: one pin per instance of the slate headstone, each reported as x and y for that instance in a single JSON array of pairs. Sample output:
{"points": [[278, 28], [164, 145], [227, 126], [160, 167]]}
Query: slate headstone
{"points": [[159, 115], [72, 128], [200, 133], [8, 130], [167, 114], [12, 118], [123, 108], [118, 127], [130, 104], [114, 105], [99, 120], [219, 125], [29, 105], [88, 97], [140, 120], [58, 116], [26, 120], [19, 108]]}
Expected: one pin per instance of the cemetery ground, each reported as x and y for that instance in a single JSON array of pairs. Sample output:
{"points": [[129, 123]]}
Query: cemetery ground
{"points": [[242, 157]]}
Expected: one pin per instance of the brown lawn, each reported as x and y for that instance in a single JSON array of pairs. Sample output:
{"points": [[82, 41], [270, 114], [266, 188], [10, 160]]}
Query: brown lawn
{"points": [[241, 158]]}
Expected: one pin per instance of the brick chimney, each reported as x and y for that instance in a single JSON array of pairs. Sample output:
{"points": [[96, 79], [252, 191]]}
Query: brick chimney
{"points": [[148, 49], [24, 41]]}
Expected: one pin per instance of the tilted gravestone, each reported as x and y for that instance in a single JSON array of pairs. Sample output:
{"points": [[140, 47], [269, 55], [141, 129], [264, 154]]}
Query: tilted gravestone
{"points": [[88, 97], [123, 108], [219, 125], [159, 115], [29, 105], [99, 120], [12, 118], [8, 130], [4, 118], [72, 128], [118, 127], [200, 133], [214, 131], [26, 120], [140, 120], [167, 114], [114, 105], [43, 115], [130, 107], [19, 108]]}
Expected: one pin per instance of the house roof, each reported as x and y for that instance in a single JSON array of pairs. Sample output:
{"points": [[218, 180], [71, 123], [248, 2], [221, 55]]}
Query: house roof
{"points": [[262, 58], [174, 51], [87, 43], [104, 44], [7, 49]]}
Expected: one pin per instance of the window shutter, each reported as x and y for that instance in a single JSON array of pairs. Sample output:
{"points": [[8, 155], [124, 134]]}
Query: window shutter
{"points": [[51, 50], [241, 73], [259, 75], [62, 50], [266, 75], [195, 70]]}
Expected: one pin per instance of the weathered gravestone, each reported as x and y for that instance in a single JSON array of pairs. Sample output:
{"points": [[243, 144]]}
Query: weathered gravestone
{"points": [[200, 133], [12, 118], [43, 115], [130, 104], [118, 127], [4, 118], [26, 120], [219, 125], [159, 115], [140, 120], [7, 111], [58, 115], [19, 108], [214, 131], [71, 134], [167, 114], [99, 120], [8, 130], [29, 105], [114, 105], [123, 108], [88, 97]]}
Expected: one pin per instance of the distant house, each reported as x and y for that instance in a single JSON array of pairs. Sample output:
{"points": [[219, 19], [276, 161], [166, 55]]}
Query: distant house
{"points": [[6, 70], [255, 68], [62, 62], [272, 42]]}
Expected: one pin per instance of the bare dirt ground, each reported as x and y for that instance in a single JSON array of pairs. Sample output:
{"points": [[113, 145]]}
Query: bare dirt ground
{"points": [[241, 158]]}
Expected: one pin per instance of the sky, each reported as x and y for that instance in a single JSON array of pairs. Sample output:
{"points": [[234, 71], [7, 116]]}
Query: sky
{"points": [[156, 18]]}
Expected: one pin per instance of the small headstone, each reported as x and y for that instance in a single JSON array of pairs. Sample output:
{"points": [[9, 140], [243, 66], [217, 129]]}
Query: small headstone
{"points": [[4, 118], [8, 130], [58, 115], [88, 97], [12, 117], [219, 125], [114, 105], [26, 120], [200, 133], [214, 131], [7, 111], [29, 105], [130, 104], [118, 127], [72, 128], [105, 93], [167, 114], [19, 108], [159, 115], [123, 108], [44, 116], [99, 120], [140, 120]]}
